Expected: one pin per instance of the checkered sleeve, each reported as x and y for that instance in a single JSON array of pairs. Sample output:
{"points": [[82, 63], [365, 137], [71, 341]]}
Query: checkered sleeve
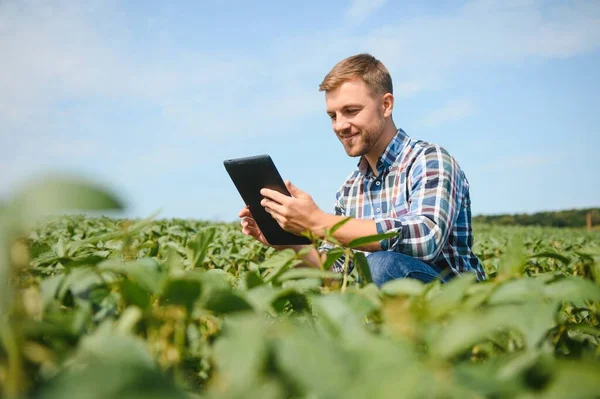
{"points": [[435, 183]]}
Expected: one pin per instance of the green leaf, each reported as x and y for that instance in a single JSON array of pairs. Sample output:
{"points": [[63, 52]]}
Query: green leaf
{"points": [[84, 260], [49, 287], [54, 194], [198, 246], [265, 298], [362, 266], [403, 287], [253, 279], [80, 282], [278, 259], [338, 316], [240, 353], [532, 320], [226, 302], [572, 289], [450, 295], [358, 242], [181, 292], [134, 294], [339, 224], [319, 366], [573, 379], [146, 272], [518, 290], [120, 361], [303, 285], [332, 256], [513, 261], [279, 263], [552, 255], [306, 272]]}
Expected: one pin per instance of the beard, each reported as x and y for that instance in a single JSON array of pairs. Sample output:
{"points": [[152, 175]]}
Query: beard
{"points": [[358, 145], [363, 141]]}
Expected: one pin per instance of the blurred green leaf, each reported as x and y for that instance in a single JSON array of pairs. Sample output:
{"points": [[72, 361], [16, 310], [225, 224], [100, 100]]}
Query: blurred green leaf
{"points": [[198, 246], [403, 287], [241, 351], [518, 291], [574, 380], [362, 267], [552, 255], [358, 242], [514, 259], [533, 320], [181, 292], [226, 302], [145, 272], [253, 279], [120, 362], [320, 367], [339, 224], [450, 295], [134, 294], [279, 263], [332, 255], [572, 288], [54, 194], [306, 272]]}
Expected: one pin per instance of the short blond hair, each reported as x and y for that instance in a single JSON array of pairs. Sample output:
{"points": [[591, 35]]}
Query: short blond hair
{"points": [[364, 66]]}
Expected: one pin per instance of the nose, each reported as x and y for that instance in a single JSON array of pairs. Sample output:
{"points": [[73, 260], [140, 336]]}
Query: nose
{"points": [[341, 124]]}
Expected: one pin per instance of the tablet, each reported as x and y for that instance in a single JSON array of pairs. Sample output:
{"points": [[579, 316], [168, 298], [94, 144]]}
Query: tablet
{"points": [[250, 175]]}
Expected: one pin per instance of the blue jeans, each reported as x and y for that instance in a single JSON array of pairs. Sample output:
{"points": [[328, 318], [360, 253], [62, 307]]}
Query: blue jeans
{"points": [[388, 265]]}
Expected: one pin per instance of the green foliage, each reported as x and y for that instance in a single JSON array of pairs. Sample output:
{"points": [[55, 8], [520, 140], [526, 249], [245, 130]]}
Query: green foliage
{"points": [[180, 308], [566, 218]]}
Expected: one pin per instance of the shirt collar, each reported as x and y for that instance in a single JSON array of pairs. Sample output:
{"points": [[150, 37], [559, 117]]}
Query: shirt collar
{"points": [[389, 155]]}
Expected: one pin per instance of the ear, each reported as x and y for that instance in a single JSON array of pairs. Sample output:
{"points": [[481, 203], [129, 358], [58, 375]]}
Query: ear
{"points": [[387, 104]]}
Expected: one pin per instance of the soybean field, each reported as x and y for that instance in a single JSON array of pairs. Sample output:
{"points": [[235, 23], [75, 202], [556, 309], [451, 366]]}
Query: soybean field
{"points": [[99, 307]]}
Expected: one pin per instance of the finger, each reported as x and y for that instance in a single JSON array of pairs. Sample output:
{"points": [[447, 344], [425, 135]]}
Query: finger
{"points": [[272, 206], [280, 219], [245, 212], [295, 191], [248, 222], [275, 196], [252, 230]]}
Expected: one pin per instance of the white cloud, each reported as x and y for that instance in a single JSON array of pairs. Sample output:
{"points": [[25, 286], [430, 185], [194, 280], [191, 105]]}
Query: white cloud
{"points": [[486, 31], [360, 10], [63, 52], [452, 111]]}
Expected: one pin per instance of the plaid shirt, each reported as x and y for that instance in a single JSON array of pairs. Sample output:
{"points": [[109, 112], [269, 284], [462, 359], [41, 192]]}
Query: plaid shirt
{"points": [[421, 194]]}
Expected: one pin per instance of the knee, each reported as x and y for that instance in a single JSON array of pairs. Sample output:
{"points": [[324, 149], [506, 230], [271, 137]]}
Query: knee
{"points": [[379, 264]]}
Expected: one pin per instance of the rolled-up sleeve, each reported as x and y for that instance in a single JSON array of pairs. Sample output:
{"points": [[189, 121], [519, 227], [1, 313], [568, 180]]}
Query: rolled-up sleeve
{"points": [[434, 200]]}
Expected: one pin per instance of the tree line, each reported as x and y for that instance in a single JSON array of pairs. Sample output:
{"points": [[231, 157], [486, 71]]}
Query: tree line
{"points": [[564, 218]]}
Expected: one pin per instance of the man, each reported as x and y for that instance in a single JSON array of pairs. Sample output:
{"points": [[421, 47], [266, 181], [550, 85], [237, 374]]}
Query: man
{"points": [[409, 187]]}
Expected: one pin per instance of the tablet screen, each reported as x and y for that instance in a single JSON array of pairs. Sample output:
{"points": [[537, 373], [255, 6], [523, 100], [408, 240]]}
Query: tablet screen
{"points": [[250, 175]]}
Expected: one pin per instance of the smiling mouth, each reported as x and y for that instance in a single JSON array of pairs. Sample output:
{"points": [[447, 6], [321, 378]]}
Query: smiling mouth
{"points": [[347, 137]]}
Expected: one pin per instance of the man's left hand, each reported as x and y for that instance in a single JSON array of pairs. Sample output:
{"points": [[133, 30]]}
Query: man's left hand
{"points": [[295, 214]]}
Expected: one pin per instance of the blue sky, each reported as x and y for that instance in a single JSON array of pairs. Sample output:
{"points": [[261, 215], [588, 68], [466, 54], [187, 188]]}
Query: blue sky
{"points": [[148, 98]]}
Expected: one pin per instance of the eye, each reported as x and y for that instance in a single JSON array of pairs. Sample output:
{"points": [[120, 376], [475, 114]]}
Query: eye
{"points": [[332, 117], [352, 111]]}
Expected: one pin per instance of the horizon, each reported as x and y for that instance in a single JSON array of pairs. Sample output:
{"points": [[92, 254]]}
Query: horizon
{"points": [[149, 100]]}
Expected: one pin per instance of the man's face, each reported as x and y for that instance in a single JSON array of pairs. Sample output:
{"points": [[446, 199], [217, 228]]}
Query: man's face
{"points": [[356, 116]]}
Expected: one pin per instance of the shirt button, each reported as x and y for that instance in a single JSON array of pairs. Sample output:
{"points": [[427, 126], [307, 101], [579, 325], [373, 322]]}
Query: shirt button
{"points": [[377, 183], [378, 210]]}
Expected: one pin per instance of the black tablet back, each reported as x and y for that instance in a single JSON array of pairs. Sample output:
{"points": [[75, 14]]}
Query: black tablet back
{"points": [[252, 174]]}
